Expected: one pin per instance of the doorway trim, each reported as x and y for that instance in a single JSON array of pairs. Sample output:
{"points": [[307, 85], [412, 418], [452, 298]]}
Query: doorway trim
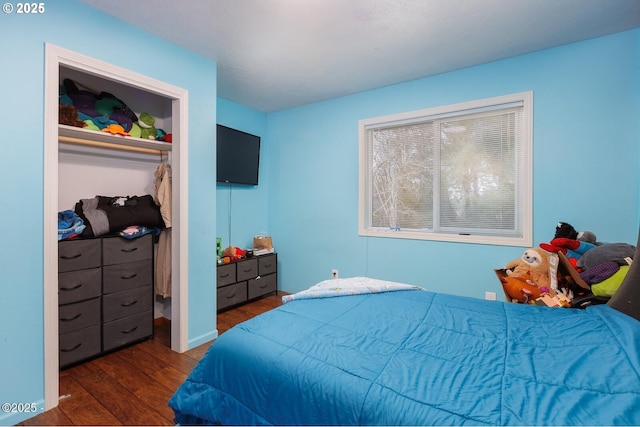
{"points": [[54, 58]]}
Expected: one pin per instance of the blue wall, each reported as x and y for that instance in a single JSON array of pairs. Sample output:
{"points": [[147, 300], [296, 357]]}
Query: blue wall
{"points": [[241, 208], [75, 26], [585, 166]]}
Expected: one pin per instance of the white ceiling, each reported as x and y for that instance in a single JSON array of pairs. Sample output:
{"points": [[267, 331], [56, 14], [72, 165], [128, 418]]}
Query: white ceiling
{"points": [[278, 54]]}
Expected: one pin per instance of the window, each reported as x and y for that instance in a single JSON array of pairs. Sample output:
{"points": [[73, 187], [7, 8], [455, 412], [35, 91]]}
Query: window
{"points": [[457, 173]]}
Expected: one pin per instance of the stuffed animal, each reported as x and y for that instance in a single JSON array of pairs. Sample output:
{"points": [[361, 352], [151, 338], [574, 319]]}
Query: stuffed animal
{"points": [[68, 115], [147, 124], [520, 289], [573, 249], [234, 253], [535, 265], [564, 229], [116, 130], [573, 244], [110, 106], [588, 236]]}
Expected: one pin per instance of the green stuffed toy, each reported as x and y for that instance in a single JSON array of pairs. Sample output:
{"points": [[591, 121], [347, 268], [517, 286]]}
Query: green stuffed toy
{"points": [[609, 286], [147, 124]]}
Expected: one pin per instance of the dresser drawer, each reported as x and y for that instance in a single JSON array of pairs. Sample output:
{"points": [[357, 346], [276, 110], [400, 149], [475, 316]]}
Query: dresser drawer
{"points": [[72, 317], [262, 285], [247, 269], [126, 303], [79, 285], [79, 345], [117, 250], [226, 274], [267, 264], [78, 254], [120, 277], [126, 330], [232, 295]]}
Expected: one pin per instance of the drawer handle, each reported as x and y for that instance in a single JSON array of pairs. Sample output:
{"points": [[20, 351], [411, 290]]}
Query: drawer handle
{"points": [[129, 250], [128, 331], [225, 275], [231, 296], [128, 304], [248, 270], [267, 265], [131, 276], [79, 285], [69, 319], [75, 347], [265, 285], [70, 256]]}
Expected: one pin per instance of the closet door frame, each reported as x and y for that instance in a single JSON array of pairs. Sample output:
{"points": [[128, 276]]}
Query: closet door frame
{"points": [[55, 57]]}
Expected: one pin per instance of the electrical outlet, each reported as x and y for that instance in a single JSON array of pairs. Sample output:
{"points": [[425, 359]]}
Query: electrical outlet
{"points": [[490, 296], [334, 273]]}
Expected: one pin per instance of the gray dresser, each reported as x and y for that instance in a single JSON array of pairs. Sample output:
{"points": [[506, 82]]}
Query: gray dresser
{"points": [[245, 280], [105, 295]]}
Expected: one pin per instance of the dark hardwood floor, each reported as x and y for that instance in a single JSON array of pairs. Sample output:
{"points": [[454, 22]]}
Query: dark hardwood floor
{"points": [[132, 386]]}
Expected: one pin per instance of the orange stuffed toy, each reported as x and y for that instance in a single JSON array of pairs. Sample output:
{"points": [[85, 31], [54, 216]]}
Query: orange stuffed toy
{"points": [[233, 252], [520, 289], [530, 275]]}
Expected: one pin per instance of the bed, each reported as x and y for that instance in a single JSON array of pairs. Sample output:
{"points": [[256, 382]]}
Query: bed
{"points": [[397, 355]]}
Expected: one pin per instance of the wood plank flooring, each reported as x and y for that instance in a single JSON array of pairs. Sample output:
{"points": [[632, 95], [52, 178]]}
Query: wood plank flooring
{"points": [[132, 386]]}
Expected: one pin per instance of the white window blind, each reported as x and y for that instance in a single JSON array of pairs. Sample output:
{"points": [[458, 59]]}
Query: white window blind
{"points": [[459, 173]]}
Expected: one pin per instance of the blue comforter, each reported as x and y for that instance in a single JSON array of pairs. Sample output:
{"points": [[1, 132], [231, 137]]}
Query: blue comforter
{"points": [[418, 358]]}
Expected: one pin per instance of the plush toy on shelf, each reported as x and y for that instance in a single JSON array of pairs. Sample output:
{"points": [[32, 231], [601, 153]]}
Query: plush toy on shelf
{"points": [[234, 253], [68, 115], [116, 130], [147, 124]]}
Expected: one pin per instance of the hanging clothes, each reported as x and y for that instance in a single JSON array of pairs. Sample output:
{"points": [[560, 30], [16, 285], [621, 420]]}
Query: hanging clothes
{"points": [[162, 197], [163, 264]]}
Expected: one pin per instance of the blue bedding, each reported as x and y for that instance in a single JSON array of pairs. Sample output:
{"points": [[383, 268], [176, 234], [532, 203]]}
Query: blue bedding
{"points": [[418, 358]]}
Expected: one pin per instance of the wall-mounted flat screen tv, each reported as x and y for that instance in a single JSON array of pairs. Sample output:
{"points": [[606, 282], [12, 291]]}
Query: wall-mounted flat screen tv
{"points": [[238, 156]]}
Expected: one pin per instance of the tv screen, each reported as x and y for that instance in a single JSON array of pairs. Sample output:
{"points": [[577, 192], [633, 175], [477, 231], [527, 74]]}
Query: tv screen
{"points": [[238, 156]]}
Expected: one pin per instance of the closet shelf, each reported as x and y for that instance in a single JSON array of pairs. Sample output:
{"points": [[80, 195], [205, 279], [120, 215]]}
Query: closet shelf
{"points": [[80, 136]]}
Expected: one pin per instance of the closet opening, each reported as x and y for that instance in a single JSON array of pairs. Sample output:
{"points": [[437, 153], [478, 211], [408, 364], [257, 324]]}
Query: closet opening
{"points": [[85, 164], [124, 176]]}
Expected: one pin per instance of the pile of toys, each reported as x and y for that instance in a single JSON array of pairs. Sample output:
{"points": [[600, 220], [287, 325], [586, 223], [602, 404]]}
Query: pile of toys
{"points": [[573, 264], [104, 112]]}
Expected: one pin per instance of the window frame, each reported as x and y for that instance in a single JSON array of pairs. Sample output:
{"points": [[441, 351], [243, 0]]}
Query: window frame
{"points": [[525, 164]]}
